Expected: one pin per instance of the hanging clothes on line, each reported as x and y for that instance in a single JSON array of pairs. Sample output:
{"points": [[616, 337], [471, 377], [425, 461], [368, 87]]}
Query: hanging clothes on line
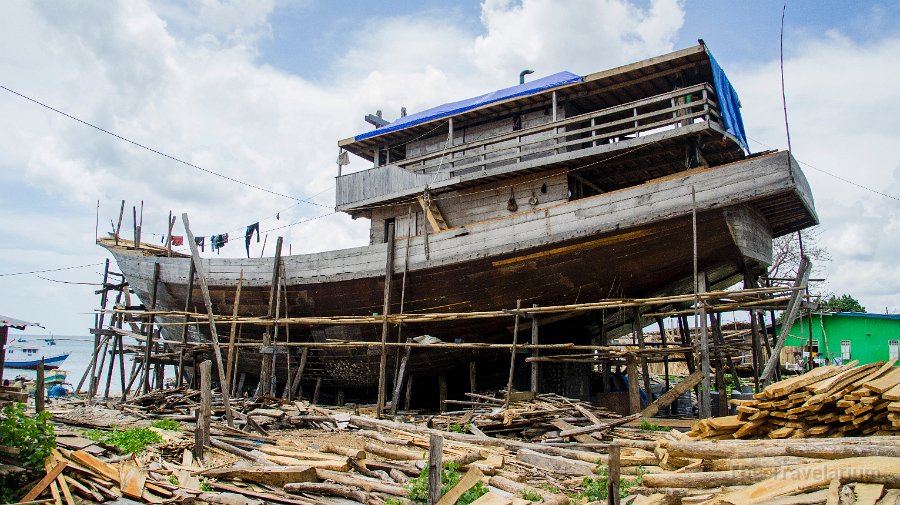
{"points": [[249, 234], [217, 242], [177, 240], [201, 243]]}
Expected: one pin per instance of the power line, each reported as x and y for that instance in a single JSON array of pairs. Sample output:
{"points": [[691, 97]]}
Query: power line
{"points": [[156, 151], [50, 270]]}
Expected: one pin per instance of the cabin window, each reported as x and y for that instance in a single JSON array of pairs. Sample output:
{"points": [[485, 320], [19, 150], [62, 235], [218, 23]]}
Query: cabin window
{"points": [[388, 224], [893, 349], [517, 122], [845, 350]]}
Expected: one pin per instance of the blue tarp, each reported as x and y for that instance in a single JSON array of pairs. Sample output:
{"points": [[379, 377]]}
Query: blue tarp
{"points": [[729, 103], [448, 109]]}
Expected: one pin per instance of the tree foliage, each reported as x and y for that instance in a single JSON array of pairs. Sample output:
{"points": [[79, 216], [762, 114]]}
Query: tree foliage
{"points": [[843, 303], [786, 254]]}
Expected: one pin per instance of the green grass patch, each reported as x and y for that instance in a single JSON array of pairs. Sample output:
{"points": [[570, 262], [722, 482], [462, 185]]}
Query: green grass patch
{"points": [[129, 441], [450, 476], [595, 488], [648, 426], [166, 424], [459, 428]]}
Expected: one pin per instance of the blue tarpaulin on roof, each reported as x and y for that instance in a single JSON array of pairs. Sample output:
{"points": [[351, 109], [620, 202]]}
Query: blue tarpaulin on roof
{"points": [[448, 109], [729, 103]]}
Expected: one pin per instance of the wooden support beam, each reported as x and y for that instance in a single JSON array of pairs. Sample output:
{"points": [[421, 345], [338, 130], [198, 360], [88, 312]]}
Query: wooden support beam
{"points": [[671, 395], [401, 377], [613, 474], [704, 399], [473, 384], [204, 413], [316, 391], [535, 366], [634, 388], [148, 345], [789, 315], [442, 392], [386, 310], [512, 359], [637, 325], [98, 324], [201, 277], [265, 373], [433, 214], [407, 400], [300, 368], [663, 338], [435, 468], [229, 366], [4, 334], [184, 329]]}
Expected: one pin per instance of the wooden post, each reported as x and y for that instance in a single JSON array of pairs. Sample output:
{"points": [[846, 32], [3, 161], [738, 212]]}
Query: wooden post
{"points": [[664, 341], [201, 435], [170, 223], [148, 345], [442, 392], [705, 409], [435, 467], [634, 389], [535, 371], [189, 297], [382, 363], [789, 315], [407, 400], [39, 388], [512, 359], [265, 373], [201, 276], [98, 324], [604, 342], [401, 376], [229, 367], [473, 368], [315, 396], [613, 474], [645, 369], [304, 355], [4, 334]]}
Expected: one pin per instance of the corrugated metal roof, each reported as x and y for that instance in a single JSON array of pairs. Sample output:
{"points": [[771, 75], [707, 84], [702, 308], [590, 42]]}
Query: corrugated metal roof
{"points": [[16, 323], [867, 314]]}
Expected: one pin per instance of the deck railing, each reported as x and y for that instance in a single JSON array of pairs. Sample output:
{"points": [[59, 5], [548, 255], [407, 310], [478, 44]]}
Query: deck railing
{"points": [[640, 118]]}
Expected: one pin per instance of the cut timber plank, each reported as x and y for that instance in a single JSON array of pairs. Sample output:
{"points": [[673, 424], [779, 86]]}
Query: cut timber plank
{"points": [[132, 479], [273, 475], [44, 482], [472, 477], [492, 498], [885, 382], [93, 463], [867, 494]]}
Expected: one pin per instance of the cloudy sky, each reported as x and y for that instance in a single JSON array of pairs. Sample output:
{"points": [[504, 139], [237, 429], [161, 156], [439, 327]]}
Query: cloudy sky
{"points": [[261, 91]]}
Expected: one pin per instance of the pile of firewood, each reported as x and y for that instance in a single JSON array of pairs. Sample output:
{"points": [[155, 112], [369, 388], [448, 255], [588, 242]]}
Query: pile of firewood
{"points": [[828, 401]]}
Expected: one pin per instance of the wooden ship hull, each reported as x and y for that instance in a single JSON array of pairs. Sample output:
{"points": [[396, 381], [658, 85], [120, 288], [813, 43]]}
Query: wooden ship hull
{"points": [[628, 243], [565, 190]]}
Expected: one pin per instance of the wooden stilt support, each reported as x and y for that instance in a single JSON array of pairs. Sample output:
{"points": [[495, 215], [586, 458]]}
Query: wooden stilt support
{"points": [[296, 383], [339, 400], [442, 392], [473, 384], [382, 365], [315, 396], [512, 359], [98, 325], [189, 298], [201, 276], [201, 435], [407, 399], [790, 314], [605, 377], [148, 345], [704, 400], [664, 341], [401, 377], [613, 474], [634, 388], [637, 325], [229, 367], [535, 366], [721, 389], [265, 373]]}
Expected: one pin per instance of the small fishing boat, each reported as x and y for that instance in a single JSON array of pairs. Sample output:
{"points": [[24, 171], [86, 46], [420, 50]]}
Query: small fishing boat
{"points": [[22, 355]]}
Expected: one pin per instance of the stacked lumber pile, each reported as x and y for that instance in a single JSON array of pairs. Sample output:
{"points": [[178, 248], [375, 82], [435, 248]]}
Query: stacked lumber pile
{"points": [[531, 417], [795, 471], [828, 401]]}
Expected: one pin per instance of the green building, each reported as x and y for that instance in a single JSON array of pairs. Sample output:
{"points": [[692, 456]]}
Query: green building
{"points": [[838, 337]]}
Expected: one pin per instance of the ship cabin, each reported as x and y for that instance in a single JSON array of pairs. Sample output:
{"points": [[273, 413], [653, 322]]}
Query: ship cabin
{"points": [[552, 140]]}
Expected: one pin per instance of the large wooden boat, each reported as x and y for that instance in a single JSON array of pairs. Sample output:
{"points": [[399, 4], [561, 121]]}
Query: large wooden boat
{"points": [[567, 189]]}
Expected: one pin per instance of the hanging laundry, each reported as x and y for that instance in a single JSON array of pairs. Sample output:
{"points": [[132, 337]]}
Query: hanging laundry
{"points": [[217, 242], [249, 234], [177, 240], [201, 243]]}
